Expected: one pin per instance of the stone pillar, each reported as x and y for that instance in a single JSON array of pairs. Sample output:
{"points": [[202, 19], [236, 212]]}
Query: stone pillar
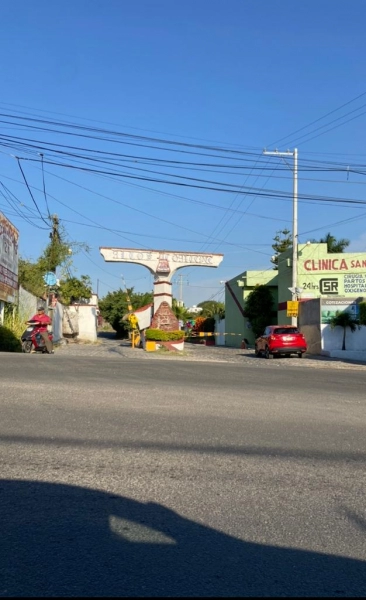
{"points": [[164, 318], [162, 292]]}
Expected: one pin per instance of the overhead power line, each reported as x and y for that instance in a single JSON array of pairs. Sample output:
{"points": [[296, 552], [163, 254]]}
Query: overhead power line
{"points": [[30, 191], [318, 120]]}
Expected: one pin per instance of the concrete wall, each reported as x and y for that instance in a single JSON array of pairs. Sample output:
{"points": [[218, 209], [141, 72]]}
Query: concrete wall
{"points": [[309, 324], [83, 318], [27, 303], [57, 317], [220, 329], [70, 321], [234, 319], [332, 338]]}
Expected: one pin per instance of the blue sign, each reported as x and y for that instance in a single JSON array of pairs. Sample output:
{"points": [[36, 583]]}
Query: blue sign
{"points": [[50, 278]]}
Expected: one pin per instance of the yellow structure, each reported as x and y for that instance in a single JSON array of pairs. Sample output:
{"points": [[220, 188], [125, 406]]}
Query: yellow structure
{"points": [[150, 346]]}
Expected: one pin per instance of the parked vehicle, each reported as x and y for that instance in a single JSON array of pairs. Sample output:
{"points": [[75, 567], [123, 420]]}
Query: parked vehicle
{"points": [[32, 340], [280, 339]]}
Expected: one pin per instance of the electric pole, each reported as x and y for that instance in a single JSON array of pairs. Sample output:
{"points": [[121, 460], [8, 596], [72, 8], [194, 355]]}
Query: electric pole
{"points": [[129, 305], [55, 239], [294, 154]]}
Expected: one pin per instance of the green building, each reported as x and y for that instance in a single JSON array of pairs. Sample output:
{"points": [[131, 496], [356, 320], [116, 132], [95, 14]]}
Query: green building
{"points": [[319, 275], [236, 291]]}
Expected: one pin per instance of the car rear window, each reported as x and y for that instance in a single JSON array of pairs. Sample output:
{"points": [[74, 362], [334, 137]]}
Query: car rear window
{"points": [[285, 330]]}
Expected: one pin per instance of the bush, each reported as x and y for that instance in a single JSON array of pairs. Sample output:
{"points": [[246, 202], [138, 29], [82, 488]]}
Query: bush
{"points": [[157, 335], [8, 341], [198, 326], [15, 319]]}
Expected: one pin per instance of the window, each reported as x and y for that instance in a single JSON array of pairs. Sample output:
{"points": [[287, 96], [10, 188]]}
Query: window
{"points": [[285, 330]]}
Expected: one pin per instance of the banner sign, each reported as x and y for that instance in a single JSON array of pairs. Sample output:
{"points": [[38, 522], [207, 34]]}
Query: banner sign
{"points": [[9, 236], [331, 306]]}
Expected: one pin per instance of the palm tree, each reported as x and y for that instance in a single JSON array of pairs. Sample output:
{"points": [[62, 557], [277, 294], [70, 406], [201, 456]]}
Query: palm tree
{"points": [[210, 308], [180, 311], [334, 246], [347, 321]]}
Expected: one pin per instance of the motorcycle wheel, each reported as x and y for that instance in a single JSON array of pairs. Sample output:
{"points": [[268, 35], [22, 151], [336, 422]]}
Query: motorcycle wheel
{"points": [[26, 347]]}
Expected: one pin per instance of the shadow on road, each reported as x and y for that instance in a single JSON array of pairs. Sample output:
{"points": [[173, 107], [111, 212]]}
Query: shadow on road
{"points": [[60, 540]]}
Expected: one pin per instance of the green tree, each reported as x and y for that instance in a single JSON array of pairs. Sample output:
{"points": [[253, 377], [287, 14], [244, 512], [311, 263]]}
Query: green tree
{"points": [[347, 321], [210, 308], [334, 246], [115, 305], [57, 254], [258, 309], [282, 241], [30, 277], [74, 290]]}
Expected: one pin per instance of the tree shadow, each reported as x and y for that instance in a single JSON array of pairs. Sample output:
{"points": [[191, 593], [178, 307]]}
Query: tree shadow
{"points": [[61, 540], [107, 335]]}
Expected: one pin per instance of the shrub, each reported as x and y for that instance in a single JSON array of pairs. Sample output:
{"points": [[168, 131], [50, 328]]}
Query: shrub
{"points": [[8, 341], [198, 326], [15, 320], [158, 335]]}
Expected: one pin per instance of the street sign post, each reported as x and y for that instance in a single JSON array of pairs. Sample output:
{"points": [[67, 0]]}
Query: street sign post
{"points": [[292, 308]]}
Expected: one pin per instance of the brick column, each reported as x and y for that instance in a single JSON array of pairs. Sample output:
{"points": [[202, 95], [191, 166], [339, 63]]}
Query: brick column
{"points": [[162, 293]]}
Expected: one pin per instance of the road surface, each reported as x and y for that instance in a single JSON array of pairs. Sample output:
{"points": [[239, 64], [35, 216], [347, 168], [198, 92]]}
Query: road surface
{"points": [[125, 477]]}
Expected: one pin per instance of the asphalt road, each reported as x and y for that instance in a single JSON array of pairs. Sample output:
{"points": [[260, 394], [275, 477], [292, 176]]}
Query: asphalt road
{"points": [[157, 478]]}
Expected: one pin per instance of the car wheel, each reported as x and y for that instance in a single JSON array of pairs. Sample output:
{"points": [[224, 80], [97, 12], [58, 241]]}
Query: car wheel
{"points": [[299, 355], [256, 351], [267, 353]]}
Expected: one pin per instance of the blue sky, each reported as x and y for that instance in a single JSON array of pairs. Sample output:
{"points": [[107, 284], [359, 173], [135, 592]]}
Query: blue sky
{"points": [[236, 75]]}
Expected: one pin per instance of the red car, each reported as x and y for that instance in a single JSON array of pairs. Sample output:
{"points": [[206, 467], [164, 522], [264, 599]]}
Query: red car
{"points": [[280, 339]]}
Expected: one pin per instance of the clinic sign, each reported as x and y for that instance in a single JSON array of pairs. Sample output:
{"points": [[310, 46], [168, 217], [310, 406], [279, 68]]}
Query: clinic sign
{"points": [[9, 237], [161, 263], [334, 275], [334, 264]]}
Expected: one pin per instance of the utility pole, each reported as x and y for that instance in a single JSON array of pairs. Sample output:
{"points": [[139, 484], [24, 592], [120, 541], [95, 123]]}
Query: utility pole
{"points": [[53, 255], [294, 154], [129, 305], [55, 238]]}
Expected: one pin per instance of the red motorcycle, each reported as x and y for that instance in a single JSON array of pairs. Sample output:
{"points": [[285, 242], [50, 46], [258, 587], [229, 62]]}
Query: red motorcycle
{"points": [[32, 339]]}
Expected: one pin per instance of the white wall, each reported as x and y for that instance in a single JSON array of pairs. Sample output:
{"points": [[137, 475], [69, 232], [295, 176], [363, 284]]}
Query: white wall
{"points": [[220, 329], [57, 316], [84, 321], [332, 338]]}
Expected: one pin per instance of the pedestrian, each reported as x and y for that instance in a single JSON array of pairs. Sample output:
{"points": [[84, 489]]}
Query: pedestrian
{"points": [[44, 320]]}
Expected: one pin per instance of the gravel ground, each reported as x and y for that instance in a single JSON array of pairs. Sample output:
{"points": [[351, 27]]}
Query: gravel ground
{"points": [[107, 345]]}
